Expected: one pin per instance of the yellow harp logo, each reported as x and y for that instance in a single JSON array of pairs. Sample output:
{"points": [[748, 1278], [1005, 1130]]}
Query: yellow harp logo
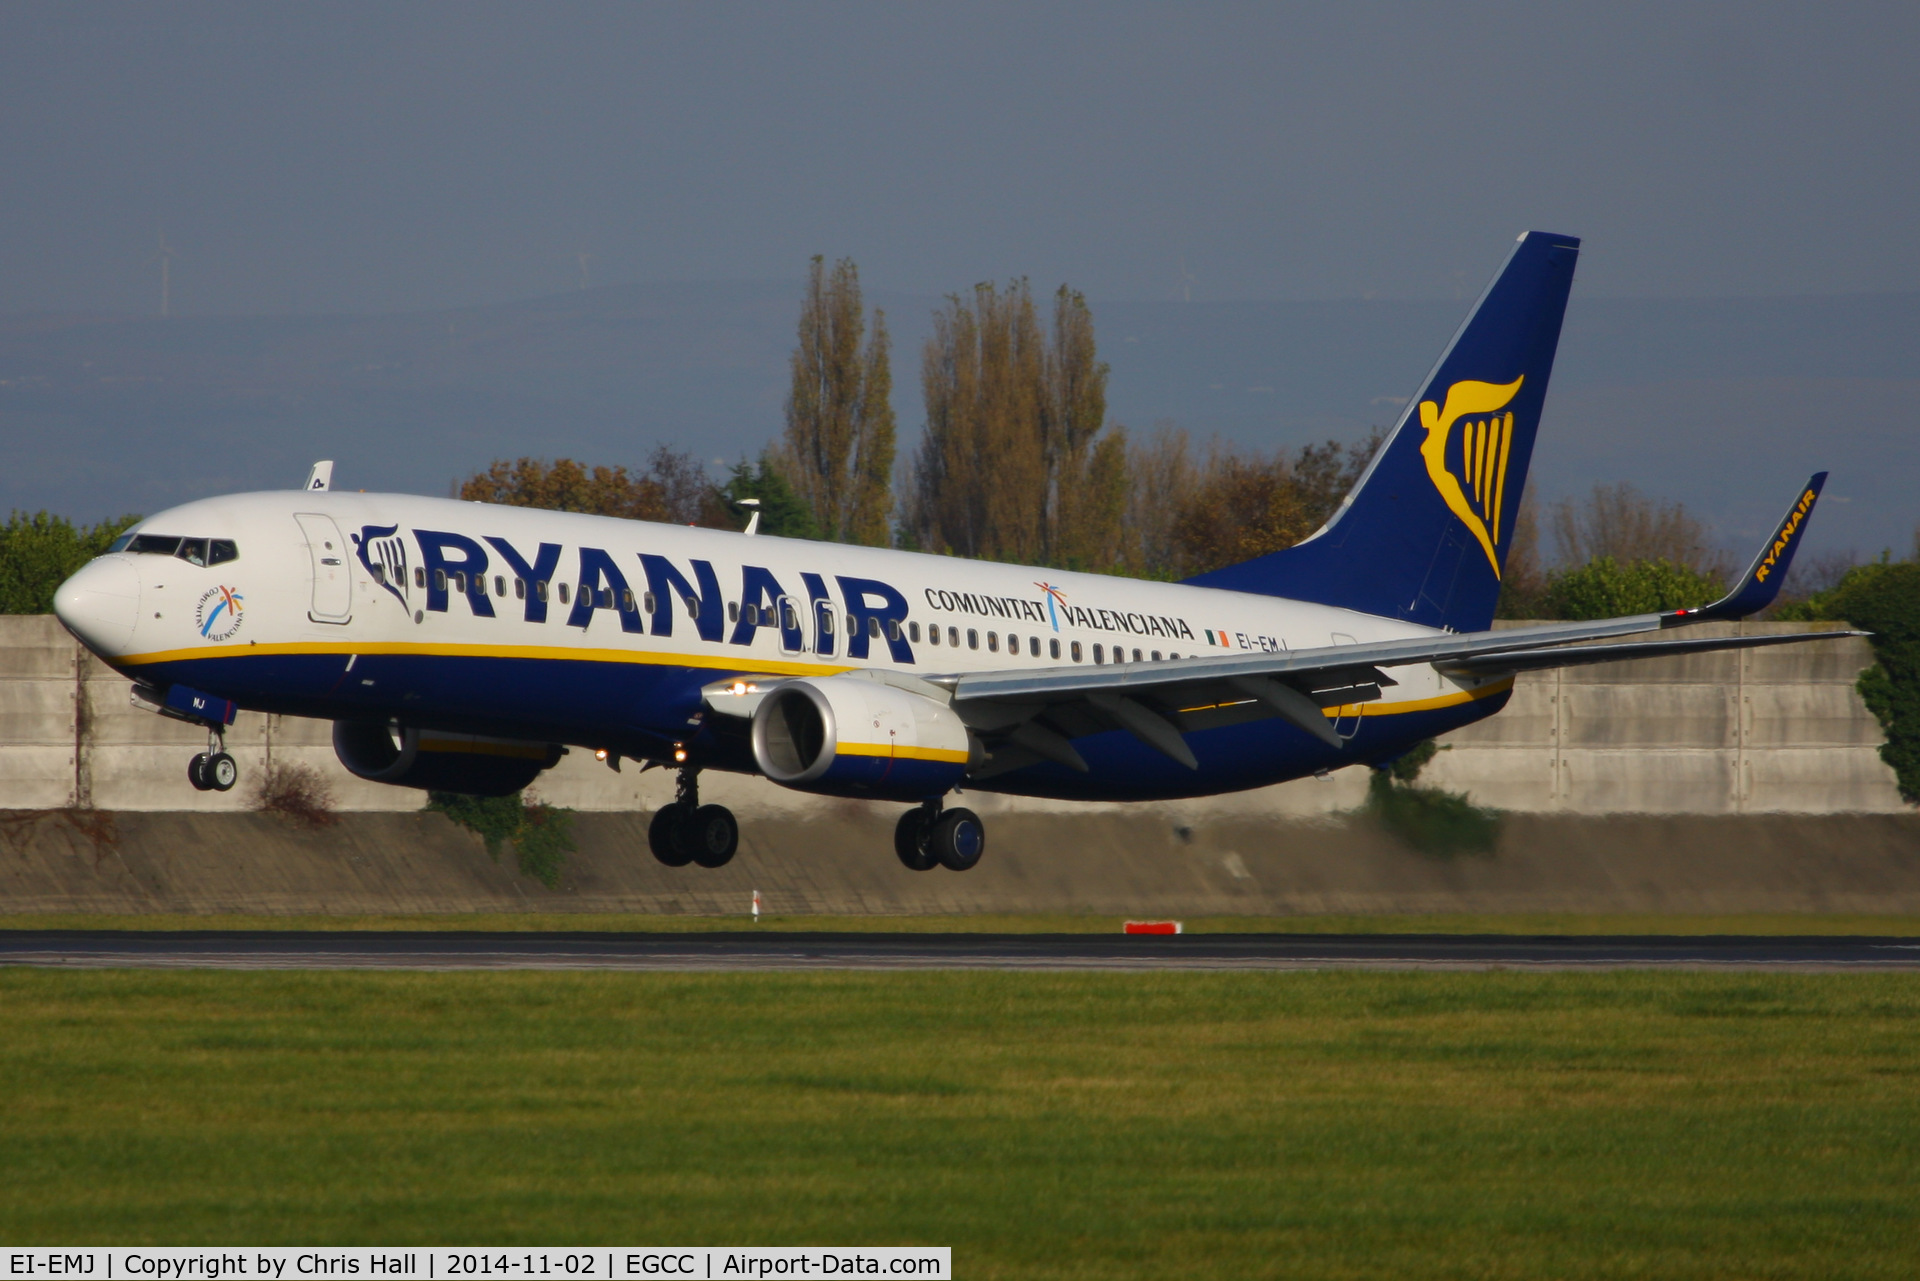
{"points": [[1472, 476]]}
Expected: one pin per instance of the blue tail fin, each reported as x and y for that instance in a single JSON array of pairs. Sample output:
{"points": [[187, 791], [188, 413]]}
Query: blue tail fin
{"points": [[1425, 533]]}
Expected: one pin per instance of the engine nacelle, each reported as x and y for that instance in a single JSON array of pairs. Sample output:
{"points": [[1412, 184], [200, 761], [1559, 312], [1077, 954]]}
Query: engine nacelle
{"points": [[850, 736], [409, 757]]}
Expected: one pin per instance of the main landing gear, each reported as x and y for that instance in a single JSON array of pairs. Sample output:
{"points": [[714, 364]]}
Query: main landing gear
{"points": [[213, 770], [927, 836], [688, 832]]}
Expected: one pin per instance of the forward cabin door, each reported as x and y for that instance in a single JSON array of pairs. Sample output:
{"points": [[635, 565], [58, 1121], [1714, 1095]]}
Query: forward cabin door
{"points": [[332, 580]]}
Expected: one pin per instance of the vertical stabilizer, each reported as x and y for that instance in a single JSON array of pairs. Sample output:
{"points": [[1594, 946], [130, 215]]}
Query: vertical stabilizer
{"points": [[1424, 534]]}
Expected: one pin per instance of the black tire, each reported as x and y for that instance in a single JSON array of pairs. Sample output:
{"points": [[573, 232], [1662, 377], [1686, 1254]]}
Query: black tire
{"points": [[712, 835], [910, 841], [958, 839], [221, 772], [196, 772], [661, 837]]}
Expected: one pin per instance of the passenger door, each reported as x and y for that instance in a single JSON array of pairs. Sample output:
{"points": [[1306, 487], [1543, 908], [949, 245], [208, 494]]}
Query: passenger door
{"points": [[332, 578]]}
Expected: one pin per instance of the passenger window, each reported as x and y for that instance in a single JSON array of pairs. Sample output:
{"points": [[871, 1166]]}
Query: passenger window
{"points": [[1053, 647], [480, 584], [873, 627], [733, 611], [439, 580], [791, 617], [419, 576], [222, 550], [913, 632], [693, 605], [1033, 646], [540, 588], [993, 642], [647, 602], [626, 602], [604, 598], [973, 638], [500, 585], [1156, 655], [826, 619], [1173, 657], [953, 637], [1136, 656], [563, 593], [380, 575], [1013, 643], [893, 629], [519, 588], [1099, 654], [933, 635], [1076, 651], [460, 582]]}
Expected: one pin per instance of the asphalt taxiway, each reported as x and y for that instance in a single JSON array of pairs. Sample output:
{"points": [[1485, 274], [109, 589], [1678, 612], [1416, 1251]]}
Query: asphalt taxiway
{"points": [[317, 950]]}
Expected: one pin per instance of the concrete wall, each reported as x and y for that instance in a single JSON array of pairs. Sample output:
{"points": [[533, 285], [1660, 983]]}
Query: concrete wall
{"points": [[1761, 731]]}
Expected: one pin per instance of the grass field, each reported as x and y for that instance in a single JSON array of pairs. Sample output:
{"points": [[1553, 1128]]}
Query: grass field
{"points": [[1663, 1125], [1057, 923]]}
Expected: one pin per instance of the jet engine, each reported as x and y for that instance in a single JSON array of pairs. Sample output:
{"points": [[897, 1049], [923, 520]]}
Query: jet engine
{"points": [[408, 757], [851, 736]]}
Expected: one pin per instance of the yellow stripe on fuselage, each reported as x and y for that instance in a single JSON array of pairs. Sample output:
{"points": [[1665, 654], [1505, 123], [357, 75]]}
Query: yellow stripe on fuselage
{"points": [[428, 649]]}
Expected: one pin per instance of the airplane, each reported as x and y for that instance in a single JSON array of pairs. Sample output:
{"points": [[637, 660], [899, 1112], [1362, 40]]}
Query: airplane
{"points": [[467, 647]]}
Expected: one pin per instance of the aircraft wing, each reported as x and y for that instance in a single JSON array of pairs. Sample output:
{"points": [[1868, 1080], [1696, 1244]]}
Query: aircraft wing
{"points": [[1040, 711]]}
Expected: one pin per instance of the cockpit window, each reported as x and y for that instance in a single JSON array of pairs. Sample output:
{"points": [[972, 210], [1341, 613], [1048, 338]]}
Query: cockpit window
{"points": [[194, 551]]}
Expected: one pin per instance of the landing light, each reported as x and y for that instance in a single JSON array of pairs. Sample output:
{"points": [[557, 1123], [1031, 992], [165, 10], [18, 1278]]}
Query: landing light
{"points": [[679, 754], [600, 754]]}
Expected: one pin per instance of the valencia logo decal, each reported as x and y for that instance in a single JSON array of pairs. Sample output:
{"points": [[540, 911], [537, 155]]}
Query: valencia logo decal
{"points": [[218, 614], [1472, 474]]}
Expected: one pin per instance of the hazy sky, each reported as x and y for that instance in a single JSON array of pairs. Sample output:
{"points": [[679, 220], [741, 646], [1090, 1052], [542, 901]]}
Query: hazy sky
{"points": [[348, 157]]}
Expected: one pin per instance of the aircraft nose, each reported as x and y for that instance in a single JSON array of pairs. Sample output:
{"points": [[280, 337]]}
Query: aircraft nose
{"points": [[100, 603]]}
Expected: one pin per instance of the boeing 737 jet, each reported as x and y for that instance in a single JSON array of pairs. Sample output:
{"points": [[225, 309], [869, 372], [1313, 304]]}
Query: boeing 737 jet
{"points": [[466, 647]]}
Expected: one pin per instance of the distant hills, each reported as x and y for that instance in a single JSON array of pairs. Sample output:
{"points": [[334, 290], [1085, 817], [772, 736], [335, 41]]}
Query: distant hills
{"points": [[1726, 403]]}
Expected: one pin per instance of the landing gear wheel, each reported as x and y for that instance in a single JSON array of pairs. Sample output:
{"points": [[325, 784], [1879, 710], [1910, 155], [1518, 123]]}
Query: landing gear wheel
{"points": [[712, 835], [661, 834], [910, 841], [221, 772], [197, 772], [958, 839]]}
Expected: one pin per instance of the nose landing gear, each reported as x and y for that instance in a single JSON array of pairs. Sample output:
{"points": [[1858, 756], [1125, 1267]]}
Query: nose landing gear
{"points": [[688, 832], [213, 770], [926, 836]]}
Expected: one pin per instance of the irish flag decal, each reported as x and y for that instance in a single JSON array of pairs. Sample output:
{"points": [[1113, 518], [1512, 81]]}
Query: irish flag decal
{"points": [[1218, 638]]}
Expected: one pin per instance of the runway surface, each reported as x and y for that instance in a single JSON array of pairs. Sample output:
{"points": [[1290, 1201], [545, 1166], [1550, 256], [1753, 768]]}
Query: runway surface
{"points": [[275, 950]]}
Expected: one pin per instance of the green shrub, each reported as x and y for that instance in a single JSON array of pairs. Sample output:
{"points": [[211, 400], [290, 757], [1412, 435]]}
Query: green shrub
{"points": [[1430, 819], [41, 551], [1605, 588], [542, 834], [1883, 598]]}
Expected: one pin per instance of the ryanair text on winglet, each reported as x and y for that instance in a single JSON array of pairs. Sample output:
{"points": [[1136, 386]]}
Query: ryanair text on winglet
{"points": [[1784, 539]]}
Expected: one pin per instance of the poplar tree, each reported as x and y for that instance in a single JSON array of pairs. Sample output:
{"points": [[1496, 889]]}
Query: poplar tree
{"points": [[1013, 465], [839, 445]]}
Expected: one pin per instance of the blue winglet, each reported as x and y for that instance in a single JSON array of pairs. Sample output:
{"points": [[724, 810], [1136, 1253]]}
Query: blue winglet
{"points": [[1761, 583]]}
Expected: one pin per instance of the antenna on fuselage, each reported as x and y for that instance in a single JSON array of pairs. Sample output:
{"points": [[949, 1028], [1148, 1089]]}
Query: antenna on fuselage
{"points": [[320, 478], [753, 522]]}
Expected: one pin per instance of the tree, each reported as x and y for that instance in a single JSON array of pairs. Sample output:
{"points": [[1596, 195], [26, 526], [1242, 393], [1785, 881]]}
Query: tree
{"points": [[1017, 462], [1619, 521], [674, 489], [839, 443], [41, 551], [782, 512]]}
